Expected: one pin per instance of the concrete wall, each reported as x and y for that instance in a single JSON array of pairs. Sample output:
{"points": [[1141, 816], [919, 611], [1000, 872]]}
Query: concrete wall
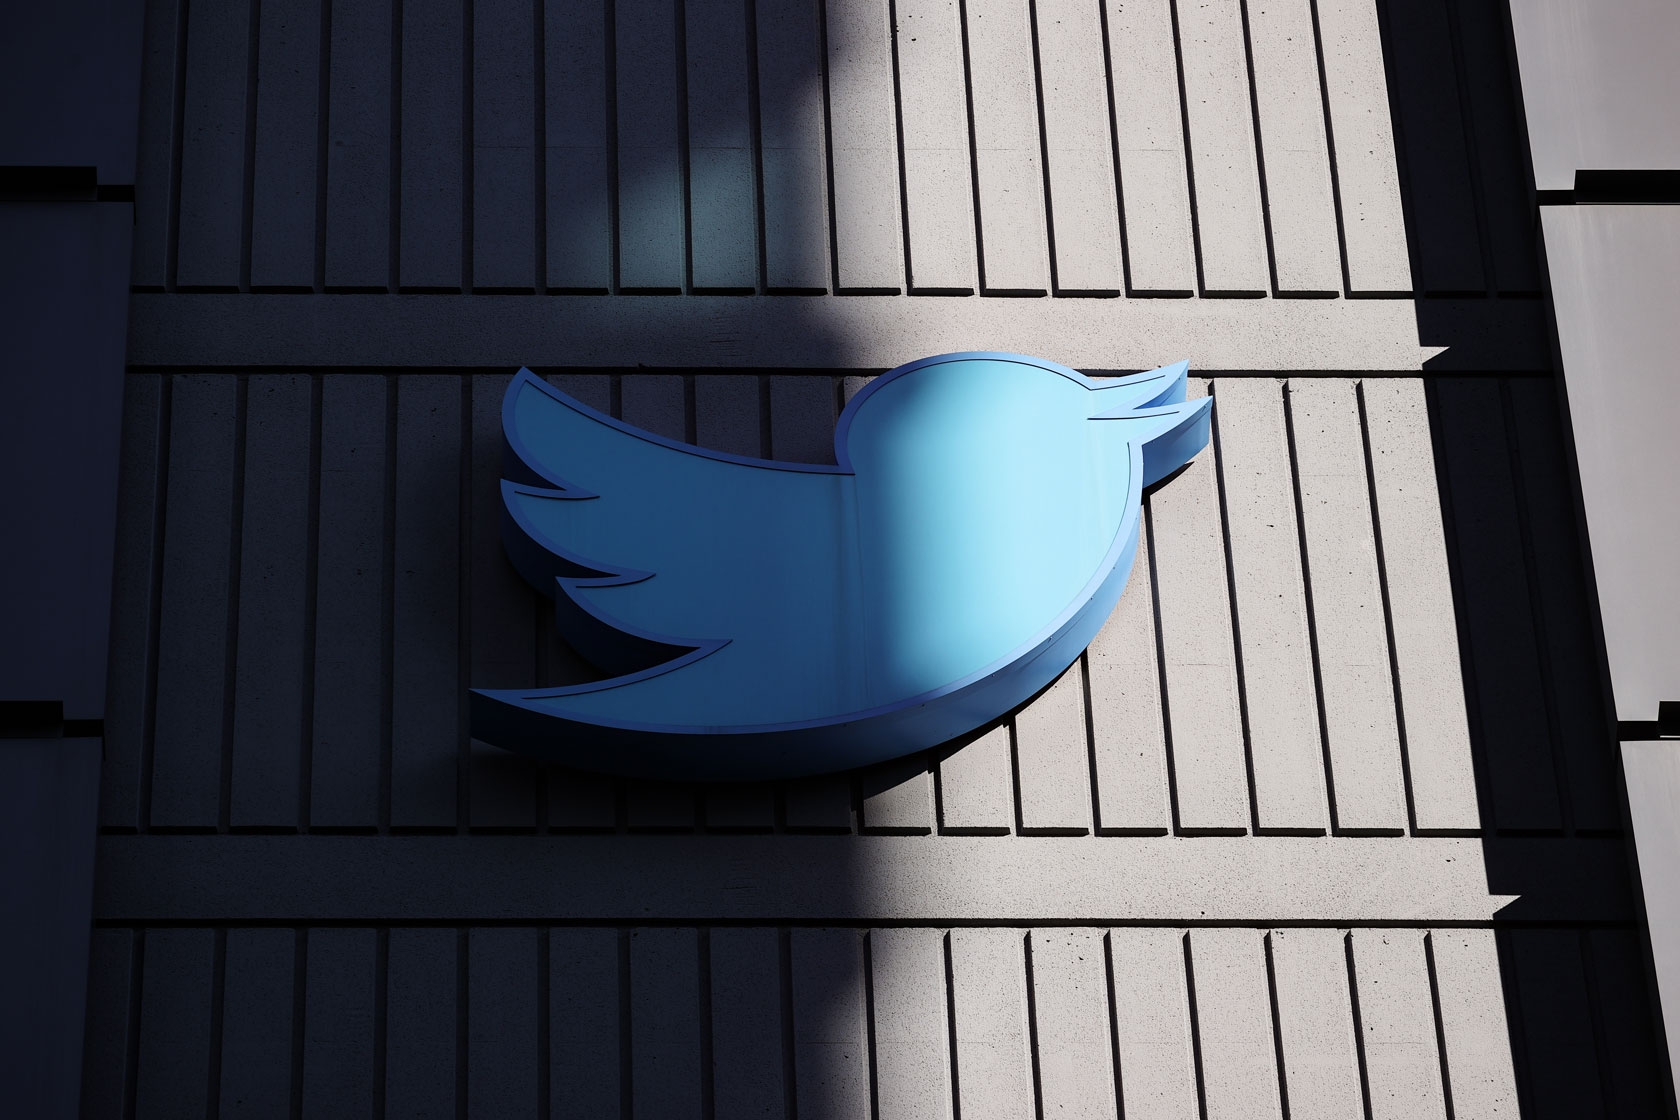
{"points": [[1312, 829]]}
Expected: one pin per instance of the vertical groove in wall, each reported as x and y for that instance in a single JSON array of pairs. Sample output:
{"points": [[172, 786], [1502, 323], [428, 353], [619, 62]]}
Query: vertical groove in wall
{"points": [[1188, 960], [1311, 612], [1387, 608], [154, 604], [1277, 1024], [830, 214], [784, 991], [1259, 148], [1043, 153], [172, 236], [463, 617], [218, 1019], [1402, 166], [1595, 1010], [1330, 149], [323, 126], [467, 141], [1147, 529], [539, 162], [1472, 166], [1032, 1025], [249, 177], [910, 284], [973, 160], [1218, 467], [1126, 288], [1358, 1024], [951, 1052], [381, 1017], [1113, 1022], [1536, 610], [300, 1008], [131, 1051], [679, 10], [1440, 1027], [236, 534], [1466, 647], [626, 1081], [387, 605], [463, 1027], [609, 37], [1189, 152], [311, 587]]}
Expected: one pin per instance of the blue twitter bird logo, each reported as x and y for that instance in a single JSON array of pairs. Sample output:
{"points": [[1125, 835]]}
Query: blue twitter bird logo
{"points": [[763, 619]]}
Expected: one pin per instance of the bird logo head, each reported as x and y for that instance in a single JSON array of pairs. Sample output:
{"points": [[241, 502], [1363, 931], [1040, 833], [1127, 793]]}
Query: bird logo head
{"points": [[761, 619]]}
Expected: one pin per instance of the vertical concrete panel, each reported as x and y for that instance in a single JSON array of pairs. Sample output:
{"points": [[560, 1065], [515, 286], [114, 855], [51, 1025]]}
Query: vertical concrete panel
{"points": [[1231, 233], [285, 171], [912, 1032], [273, 656], [1271, 606], [504, 146], [938, 178], [1071, 1025], [1367, 179], [1425, 626], [1152, 1024], [212, 199], [1299, 202], [433, 145], [863, 142], [1084, 212], [722, 193], [1009, 167], [651, 230], [577, 154], [989, 1013], [792, 140], [359, 148]]}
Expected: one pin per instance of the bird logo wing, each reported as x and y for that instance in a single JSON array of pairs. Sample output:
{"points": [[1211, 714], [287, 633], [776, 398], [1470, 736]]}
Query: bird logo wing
{"points": [[765, 619]]}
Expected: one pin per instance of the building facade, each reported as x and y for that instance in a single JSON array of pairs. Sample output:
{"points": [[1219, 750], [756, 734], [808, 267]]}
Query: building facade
{"points": [[1328, 822]]}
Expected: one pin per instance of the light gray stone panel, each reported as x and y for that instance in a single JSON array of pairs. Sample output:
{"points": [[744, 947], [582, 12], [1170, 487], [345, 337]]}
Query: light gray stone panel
{"points": [[1152, 1024], [1265, 546], [863, 143], [1084, 212], [1052, 759], [1231, 232], [1149, 121], [1402, 1063], [976, 786], [1009, 166], [1299, 205], [1198, 657], [912, 1056], [989, 1012], [1424, 622], [1350, 626], [938, 179], [1234, 1014], [1071, 1026], [1373, 224], [1315, 1023], [1128, 737], [1473, 1023]]}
